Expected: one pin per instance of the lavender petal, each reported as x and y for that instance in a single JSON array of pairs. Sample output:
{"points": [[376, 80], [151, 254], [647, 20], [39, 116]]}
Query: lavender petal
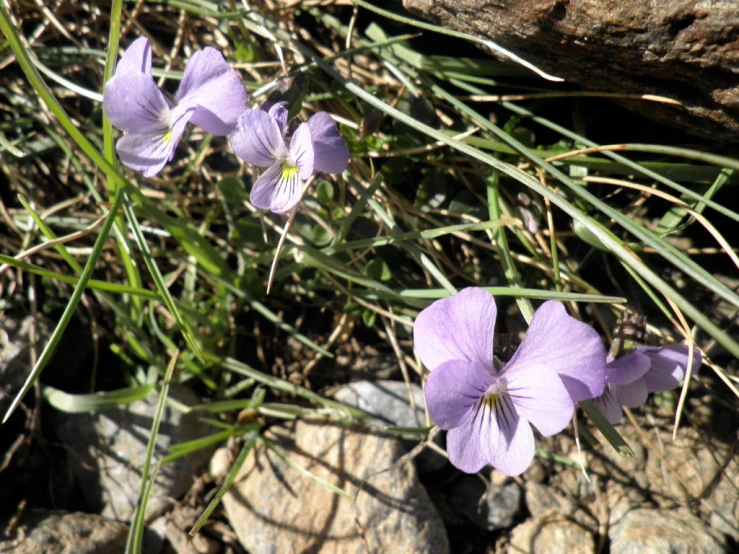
{"points": [[457, 328], [257, 139], [668, 366], [570, 347], [133, 103], [137, 58], [453, 389], [628, 368], [301, 149], [149, 153], [538, 393], [331, 153], [278, 189], [212, 87]]}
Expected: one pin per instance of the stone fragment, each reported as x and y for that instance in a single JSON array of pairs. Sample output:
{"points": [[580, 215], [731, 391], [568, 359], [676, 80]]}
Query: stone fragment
{"points": [[550, 534], [56, 532], [274, 509], [108, 449], [659, 531], [491, 508], [389, 403]]}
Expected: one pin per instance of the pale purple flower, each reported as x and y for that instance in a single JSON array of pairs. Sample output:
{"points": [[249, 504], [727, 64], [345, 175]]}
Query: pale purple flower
{"points": [[211, 96], [488, 411], [630, 378], [260, 139]]}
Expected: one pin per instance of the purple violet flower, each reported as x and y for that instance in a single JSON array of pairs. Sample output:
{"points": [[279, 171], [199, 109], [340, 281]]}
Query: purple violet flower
{"points": [[211, 96], [259, 139], [630, 378], [488, 411]]}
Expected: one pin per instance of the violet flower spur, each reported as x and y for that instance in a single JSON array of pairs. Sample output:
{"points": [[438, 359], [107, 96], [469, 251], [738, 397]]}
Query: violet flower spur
{"points": [[488, 411], [630, 378], [259, 139], [211, 96]]}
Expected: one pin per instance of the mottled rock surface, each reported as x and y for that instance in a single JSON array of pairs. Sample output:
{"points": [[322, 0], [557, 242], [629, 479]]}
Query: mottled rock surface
{"points": [[660, 531], [389, 402], [551, 534], [107, 451], [65, 533], [687, 50], [274, 509]]}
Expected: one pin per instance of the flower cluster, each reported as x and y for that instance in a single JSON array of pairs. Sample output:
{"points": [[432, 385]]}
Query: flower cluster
{"points": [[488, 407], [212, 96]]}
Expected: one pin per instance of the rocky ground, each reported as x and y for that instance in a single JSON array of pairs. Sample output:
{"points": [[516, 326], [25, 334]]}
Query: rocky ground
{"points": [[673, 496]]}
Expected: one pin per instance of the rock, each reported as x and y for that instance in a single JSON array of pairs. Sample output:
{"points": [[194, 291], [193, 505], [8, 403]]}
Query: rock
{"points": [[389, 402], [490, 509], [723, 502], [17, 338], [107, 451], [681, 49], [56, 532], [550, 534], [658, 531], [680, 471], [275, 509]]}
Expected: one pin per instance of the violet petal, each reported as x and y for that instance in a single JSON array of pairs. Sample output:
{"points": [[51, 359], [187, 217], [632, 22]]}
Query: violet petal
{"points": [[279, 113], [496, 436], [628, 368], [134, 104], [257, 139], [457, 328], [570, 347], [452, 390], [668, 366], [278, 189], [609, 405], [212, 87], [301, 149], [137, 58], [331, 153], [633, 394], [538, 393], [150, 152]]}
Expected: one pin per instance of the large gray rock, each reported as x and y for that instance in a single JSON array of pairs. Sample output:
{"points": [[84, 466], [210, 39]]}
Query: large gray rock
{"points": [[389, 402], [42, 532], [107, 451], [659, 531], [276, 510]]}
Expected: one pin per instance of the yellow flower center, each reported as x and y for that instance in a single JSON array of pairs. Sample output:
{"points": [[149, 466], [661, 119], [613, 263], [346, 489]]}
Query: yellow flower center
{"points": [[289, 171]]}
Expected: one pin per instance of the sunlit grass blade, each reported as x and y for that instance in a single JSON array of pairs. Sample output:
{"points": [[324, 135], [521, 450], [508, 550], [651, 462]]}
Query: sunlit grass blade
{"points": [[608, 431], [136, 530], [91, 283], [251, 440], [159, 280], [534, 294], [285, 386], [304, 472], [98, 401], [69, 310]]}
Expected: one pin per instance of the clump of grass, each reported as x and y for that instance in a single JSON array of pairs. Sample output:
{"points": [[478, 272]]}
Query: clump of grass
{"points": [[457, 179]]}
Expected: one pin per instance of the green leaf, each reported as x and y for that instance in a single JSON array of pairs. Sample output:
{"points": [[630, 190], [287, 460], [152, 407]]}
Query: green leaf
{"points": [[95, 402], [379, 270]]}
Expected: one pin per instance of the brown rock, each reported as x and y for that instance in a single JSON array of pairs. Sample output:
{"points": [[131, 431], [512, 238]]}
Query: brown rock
{"points": [[274, 509], [658, 531], [66, 533], [687, 50], [550, 534]]}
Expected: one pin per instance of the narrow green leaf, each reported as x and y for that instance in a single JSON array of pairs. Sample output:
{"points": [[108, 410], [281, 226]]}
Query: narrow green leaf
{"points": [[83, 403]]}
